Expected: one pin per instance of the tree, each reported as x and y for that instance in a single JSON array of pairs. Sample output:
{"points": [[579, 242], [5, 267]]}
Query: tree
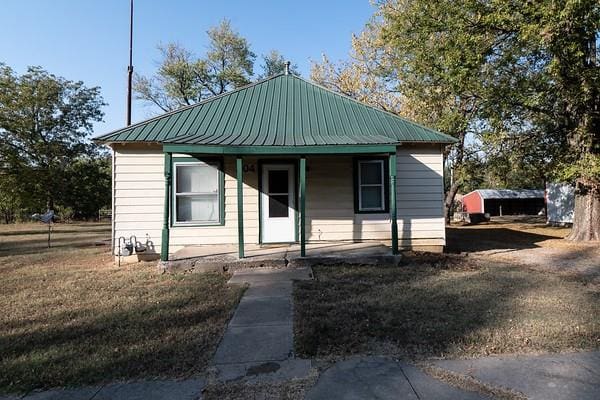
{"points": [[10, 201], [274, 64], [88, 185], [182, 79], [44, 126], [175, 84], [542, 99], [367, 75], [437, 56], [552, 51]]}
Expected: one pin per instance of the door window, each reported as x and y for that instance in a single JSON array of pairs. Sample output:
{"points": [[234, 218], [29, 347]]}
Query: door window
{"points": [[278, 195]]}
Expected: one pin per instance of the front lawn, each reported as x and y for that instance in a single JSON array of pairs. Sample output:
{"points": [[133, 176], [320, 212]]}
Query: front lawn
{"points": [[69, 316], [443, 306]]}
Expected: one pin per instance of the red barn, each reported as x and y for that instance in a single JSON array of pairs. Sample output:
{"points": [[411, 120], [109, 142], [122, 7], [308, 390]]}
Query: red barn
{"points": [[496, 202]]}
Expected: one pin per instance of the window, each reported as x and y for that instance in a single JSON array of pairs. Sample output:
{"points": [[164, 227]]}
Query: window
{"points": [[371, 186], [197, 193], [278, 193]]}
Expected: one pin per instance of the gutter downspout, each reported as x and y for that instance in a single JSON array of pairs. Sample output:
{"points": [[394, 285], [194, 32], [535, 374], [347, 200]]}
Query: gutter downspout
{"points": [[164, 247], [112, 214]]}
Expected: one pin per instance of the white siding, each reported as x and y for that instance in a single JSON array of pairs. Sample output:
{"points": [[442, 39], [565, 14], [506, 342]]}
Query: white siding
{"points": [[330, 200], [420, 191], [139, 200], [138, 193]]}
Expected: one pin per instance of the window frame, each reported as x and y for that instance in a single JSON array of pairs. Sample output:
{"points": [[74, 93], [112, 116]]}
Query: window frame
{"points": [[215, 162], [383, 161]]}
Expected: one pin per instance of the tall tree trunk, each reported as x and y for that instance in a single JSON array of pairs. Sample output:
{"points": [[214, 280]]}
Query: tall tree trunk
{"points": [[586, 220], [450, 195], [458, 161]]}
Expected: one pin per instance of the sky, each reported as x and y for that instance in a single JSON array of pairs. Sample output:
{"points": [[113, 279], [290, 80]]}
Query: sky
{"points": [[87, 40]]}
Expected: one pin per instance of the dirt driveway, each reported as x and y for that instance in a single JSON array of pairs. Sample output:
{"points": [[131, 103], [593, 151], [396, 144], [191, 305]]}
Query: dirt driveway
{"points": [[527, 241]]}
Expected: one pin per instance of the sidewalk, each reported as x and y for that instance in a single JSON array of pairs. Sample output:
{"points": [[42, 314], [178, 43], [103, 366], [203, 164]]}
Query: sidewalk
{"points": [[382, 378], [545, 377], [189, 389], [259, 340]]}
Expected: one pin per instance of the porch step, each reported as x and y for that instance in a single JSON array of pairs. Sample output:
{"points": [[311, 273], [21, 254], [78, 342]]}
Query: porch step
{"points": [[310, 261], [204, 264], [224, 264]]}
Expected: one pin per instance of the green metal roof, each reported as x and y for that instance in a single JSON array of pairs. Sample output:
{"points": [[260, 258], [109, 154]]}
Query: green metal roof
{"points": [[283, 110]]}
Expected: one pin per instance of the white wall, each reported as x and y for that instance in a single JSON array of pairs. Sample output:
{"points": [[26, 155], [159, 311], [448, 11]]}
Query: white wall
{"points": [[138, 193], [139, 200], [420, 195]]}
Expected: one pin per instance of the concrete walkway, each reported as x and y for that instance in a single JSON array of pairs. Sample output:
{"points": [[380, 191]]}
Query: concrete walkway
{"points": [[189, 389], [259, 341], [546, 377], [382, 378]]}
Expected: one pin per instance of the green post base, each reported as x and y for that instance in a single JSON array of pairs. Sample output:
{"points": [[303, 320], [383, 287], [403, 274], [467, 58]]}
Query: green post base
{"points": [[164, 246]]}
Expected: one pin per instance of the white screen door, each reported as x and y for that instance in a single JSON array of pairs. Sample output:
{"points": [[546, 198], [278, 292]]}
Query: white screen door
{"points": [[277, 203]]}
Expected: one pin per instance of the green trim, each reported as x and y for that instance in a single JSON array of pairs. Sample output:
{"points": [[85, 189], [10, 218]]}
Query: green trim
{"points": [[219, 162], [393, 208], [386, 191], [279, 150], [296, 202], [259, 183], [261, 163], [302, 206], [164, 247], [239, 173]]}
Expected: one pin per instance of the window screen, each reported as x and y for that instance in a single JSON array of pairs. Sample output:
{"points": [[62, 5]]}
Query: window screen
{"points": [[197, 193], [371, 185]]}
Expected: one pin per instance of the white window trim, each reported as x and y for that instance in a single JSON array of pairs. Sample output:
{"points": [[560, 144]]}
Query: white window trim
{"points": [[361, 185], [176, 194]]}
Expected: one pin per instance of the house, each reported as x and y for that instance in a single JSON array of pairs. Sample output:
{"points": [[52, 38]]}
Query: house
{"points": [[560, 203], [499, 202], [279, 161]]}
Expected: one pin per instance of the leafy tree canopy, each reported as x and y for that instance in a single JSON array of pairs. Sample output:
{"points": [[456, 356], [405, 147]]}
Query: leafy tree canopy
{"points": [[45, 122], [183, 79]]}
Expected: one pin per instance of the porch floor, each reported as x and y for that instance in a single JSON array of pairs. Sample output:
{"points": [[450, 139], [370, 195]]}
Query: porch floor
{"points": [[255, 252]]}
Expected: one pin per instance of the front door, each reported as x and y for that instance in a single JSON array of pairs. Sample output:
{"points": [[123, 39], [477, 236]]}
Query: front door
{"points": [[277, 203]]}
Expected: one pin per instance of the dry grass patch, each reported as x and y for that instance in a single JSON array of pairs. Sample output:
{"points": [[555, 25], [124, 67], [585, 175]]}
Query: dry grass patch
{"points": [[443, 306], [69, 316], [294, 389]]}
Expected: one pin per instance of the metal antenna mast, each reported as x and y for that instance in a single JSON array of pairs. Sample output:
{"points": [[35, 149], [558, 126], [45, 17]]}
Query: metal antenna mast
{"points": [[130, 66]]}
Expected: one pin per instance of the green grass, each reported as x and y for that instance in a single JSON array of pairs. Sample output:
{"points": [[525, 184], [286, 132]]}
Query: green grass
{"points": [[70, 317], [443, 306]]}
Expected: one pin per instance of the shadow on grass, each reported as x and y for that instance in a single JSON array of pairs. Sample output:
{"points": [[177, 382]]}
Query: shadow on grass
{"points": [[476, 239], [58, 243], [172, 334], [420, 311], [44, 231]]}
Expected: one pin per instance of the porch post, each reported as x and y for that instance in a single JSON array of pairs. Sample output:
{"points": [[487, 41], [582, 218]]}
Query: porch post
{"points": [[240, 204], [302, 206], [164, 247], [393, 209]]}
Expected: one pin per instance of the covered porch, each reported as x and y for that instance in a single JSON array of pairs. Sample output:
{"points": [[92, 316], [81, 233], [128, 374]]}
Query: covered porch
{"points": [[299, 246], [226, 257], [290, 251]]}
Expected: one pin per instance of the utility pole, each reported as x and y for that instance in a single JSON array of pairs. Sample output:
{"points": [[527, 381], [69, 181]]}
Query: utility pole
{"points": [[130, 66]]}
